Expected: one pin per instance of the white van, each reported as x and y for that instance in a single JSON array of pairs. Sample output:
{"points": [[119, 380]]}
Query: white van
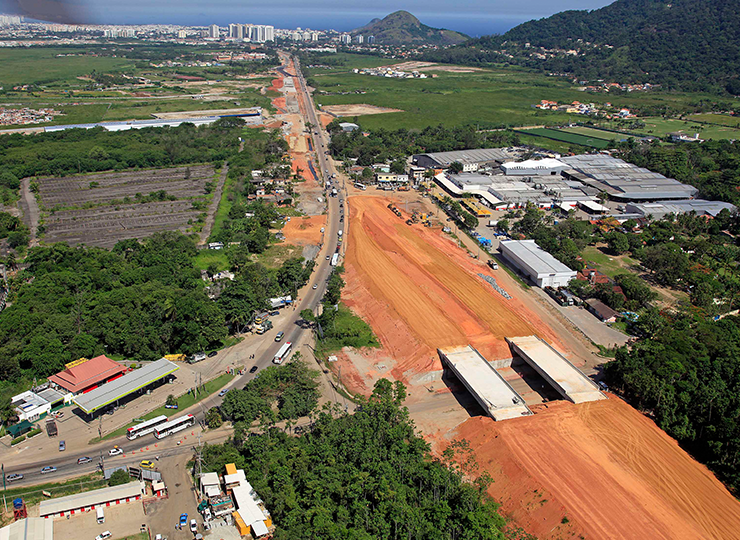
{"points": [[99, 515]]}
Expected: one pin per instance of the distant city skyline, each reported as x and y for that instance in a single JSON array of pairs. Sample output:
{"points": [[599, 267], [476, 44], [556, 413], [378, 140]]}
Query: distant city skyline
{"points": [[473, 17]]}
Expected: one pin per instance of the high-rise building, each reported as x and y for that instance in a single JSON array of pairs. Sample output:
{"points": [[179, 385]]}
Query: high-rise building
{"points": [[269, 33], [370, 40], [345, 38], [182, 34], [359, 39], [213, 31]]}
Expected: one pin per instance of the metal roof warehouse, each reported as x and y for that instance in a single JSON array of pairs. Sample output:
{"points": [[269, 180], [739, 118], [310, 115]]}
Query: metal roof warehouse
{"points": [[84, 502], [541, 267], [123, 386]]}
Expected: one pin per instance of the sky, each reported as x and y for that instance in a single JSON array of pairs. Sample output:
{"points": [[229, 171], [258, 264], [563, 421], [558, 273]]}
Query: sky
{"points": [[473, 17]]}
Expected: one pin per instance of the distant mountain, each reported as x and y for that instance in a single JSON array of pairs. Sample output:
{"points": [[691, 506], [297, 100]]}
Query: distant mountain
{"points": [[402, 28], [678, 43]]}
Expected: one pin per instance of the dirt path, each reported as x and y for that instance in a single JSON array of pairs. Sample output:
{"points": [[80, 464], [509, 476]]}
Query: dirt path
{"points": [[30, 209], [213, 208]]}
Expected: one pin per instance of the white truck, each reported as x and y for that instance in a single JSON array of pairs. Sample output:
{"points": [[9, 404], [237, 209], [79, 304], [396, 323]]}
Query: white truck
{"points": [[334, 259]]}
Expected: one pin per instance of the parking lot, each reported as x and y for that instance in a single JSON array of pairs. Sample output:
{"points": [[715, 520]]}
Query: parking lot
{"points": [[164, 514], [122, 521]]}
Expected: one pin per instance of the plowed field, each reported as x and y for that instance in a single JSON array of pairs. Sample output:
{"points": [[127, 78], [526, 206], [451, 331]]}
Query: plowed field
{"points": [[609, 469]]}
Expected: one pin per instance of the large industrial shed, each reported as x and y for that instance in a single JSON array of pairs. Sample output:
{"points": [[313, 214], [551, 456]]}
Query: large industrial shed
{"points": [[90, 500], [541, 267], [471, 160]]}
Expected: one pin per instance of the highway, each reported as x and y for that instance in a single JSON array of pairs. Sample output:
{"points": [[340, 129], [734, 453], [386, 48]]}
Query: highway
{"points": [[308, 298]]}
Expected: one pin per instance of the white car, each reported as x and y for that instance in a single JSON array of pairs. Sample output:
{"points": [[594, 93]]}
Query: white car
{"points": [[323, 229], [315, 287], [103, 535], [193, 525], [115, 451]]}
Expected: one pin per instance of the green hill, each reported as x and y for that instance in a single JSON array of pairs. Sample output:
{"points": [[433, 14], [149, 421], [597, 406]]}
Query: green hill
{"points": [[688, 44], [402, 28]]}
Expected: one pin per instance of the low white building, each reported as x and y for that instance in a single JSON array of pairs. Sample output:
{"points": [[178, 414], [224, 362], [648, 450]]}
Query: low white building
{"points": [[32, 528], [30, 406], [538, 265], [534, 167]]}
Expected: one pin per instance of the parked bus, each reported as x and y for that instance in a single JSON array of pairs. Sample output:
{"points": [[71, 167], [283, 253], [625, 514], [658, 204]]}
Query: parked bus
{"points": [[145, 428], [360, 186], [283, 353], [173, 426]]}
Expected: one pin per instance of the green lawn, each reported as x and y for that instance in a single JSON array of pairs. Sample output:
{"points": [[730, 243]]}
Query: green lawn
{"points": [[183, 402], [723, 119], [595, 133], [660, 127], [207, 257], [608, 264], [275, 255]]}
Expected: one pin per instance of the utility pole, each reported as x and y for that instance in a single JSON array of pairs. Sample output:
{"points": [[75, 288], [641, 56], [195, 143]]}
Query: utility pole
{"points": [[100, 427]]}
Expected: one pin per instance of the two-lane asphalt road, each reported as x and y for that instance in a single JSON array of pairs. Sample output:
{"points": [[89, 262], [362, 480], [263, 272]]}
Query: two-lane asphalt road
{"points": [[295, 333]]}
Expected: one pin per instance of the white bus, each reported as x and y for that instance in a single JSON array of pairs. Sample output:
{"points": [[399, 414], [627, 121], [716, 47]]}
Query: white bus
{"points": [[145, 428], [334, 259], [283, 353], [360, 186], [173, 426]]}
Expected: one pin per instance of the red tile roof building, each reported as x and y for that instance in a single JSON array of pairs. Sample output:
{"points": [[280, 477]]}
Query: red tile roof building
{"points": [[88, 375]]}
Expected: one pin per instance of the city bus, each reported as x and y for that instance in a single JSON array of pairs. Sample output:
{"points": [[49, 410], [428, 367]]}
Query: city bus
{"points": [[283, 353], [173, 426], [145, 428], [360, 186]]}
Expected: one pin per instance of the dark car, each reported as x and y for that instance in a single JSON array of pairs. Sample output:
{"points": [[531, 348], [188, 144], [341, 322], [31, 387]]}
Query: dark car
{"points": [[212, 354], [274, 313], [253, 369]]}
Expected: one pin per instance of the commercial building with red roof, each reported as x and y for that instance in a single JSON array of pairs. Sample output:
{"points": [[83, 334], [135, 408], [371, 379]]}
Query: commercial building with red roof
{"points": [[81, 377]]}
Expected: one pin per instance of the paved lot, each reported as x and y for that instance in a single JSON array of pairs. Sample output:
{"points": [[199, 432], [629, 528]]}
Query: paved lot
{"points": [[122, 520], [593, 328]]}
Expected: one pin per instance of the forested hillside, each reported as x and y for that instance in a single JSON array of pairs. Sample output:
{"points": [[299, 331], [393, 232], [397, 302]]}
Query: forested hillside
{"points": [[363, 476], [688, 44]]}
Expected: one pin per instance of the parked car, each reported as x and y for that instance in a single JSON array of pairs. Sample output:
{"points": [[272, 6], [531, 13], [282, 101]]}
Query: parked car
{"points": [[183, 520], [59, 414], [146, 464], [322, 229], [103, 535], [328, 258], [172, 406], [49, 469], [287, 218], [115, 451], [83, 460], [222, 393], [274, 313], [193, 525], [212, 354], [62, 446], [253, 369], [13, 477]]}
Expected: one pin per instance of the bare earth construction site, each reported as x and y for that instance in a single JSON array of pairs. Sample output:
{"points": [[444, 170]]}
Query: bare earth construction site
{"points": [[595, 469]]}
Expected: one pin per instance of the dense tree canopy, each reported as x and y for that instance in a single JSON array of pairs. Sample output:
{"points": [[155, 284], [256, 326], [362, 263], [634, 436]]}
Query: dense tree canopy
{"points": [[142, 300], [362, 476], [677, 43]]}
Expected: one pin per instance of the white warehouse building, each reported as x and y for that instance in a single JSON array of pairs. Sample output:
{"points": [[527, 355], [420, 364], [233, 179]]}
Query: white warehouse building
{"points": [[537, 264]]}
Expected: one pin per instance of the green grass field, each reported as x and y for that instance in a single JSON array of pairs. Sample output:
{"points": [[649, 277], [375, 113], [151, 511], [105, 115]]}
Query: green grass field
{"points": [[660, 127], [595, 133], [42, 66], [607, 264], [566, 137], [722, 119]]}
